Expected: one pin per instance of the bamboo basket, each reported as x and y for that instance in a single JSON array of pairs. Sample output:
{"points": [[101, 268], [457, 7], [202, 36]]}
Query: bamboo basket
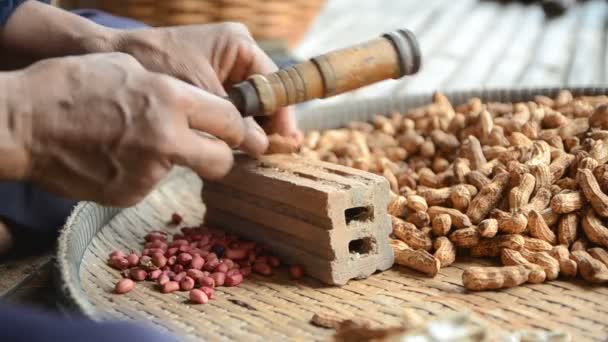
{"points": [[285, 20]]}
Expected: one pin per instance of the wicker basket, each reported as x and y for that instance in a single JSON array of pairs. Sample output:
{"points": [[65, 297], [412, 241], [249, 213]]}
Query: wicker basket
{"points": [[266, 19]]}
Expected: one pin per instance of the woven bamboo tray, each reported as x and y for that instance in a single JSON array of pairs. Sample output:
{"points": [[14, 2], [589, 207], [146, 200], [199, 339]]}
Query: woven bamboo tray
{"points": [[278, 309], [266, 19]]}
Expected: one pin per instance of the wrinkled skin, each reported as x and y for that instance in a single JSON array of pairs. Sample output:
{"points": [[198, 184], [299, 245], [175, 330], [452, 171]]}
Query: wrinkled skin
{"points": [[138, 124], [212, 57]]}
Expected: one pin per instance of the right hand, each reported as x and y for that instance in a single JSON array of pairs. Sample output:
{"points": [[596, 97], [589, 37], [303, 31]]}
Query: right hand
{"points": [[102, 128]]}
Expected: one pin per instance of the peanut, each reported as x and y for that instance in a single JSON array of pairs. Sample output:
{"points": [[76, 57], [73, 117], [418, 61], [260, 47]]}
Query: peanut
{"points": [[543, 259], [567, 266], [520, 195], [417, 203], [539, 229], [590, 269], [466, 237], [551, 218], [441, 224], [593, 193], [445, 251], [420, 219], [512, 223], [600, 254], [419, 260], [488, 228], [599, 118], [567, 229], [477, 179], [124, 285], [526, 168], [595, 231], [459, 220], [198, 297], [296, 271], [509, 257], [567, 202], [536, 245], [492, 247], [408, 233], [397, 206], [487, 198], [281, 144], [494, 278]]}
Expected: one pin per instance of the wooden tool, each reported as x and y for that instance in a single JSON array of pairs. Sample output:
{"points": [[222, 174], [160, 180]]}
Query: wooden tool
{"points": [[393, 55], [329, 218]]}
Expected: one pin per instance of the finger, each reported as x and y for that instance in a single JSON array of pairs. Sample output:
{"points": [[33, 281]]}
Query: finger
{"points": [[256, 141], [210, 158], [255, 61], [250, 60], [211, 114]]}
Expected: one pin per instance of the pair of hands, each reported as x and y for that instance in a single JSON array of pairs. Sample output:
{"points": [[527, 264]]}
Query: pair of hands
{"points": [[108, 126]]}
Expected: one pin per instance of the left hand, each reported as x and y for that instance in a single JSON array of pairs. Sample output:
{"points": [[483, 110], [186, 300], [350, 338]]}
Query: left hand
{"points": [[212, 57]]}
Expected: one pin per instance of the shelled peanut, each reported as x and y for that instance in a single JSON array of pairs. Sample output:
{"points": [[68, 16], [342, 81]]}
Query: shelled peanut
{"points": [[484, 178], [195, 259]]}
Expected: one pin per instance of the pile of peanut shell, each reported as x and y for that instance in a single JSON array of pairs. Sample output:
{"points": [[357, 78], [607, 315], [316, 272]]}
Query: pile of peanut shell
{"points": [[525, 183]]}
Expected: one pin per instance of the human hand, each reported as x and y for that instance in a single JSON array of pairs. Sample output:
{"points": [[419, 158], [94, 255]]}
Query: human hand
{"points": [[212, 57], [105, 129]]}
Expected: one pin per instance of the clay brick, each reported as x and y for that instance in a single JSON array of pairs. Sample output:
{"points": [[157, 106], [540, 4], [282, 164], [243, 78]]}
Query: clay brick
{"points": [[329, 218]]}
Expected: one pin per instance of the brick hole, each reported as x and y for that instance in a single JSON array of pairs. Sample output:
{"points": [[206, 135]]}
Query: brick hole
{"points": [[361, 246], [358, 214]]}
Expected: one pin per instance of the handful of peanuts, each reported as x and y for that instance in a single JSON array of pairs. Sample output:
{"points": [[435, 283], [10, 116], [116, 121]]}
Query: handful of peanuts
{"points": [[521, 182], [198, 259]]}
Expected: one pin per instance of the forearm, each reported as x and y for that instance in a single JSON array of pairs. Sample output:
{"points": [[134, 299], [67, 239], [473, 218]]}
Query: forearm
{"points": [[15, 127], [43, 31]]}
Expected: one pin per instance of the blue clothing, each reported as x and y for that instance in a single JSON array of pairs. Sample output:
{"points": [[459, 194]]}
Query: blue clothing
{"points": [[7, 7], [27, 325]]}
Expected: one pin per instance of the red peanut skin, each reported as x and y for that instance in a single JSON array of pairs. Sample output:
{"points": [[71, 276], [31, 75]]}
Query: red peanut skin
{"points": [[138, 274], [154, 274], [172, 260], [219, 278], [163, 279], [186, 284], [207, 281], [234, 279], [178, 277], [222, 268], [184, 258], [133, 259], [123, 286], [296, 271], [159, 260], [211, 264], [194, 273], [169, 287], [274, 261], [198, 297], [236, 254], [117, 254], [262, 268], [119, 263], [197, 262], [178, 268], [209, 291]]}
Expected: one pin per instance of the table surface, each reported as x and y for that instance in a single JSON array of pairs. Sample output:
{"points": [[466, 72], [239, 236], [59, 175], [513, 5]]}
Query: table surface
{"points": [[465, 44]]}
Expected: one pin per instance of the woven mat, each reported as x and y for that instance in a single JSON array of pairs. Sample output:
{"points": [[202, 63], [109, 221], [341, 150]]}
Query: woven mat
{"points": [[277, 308]]}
